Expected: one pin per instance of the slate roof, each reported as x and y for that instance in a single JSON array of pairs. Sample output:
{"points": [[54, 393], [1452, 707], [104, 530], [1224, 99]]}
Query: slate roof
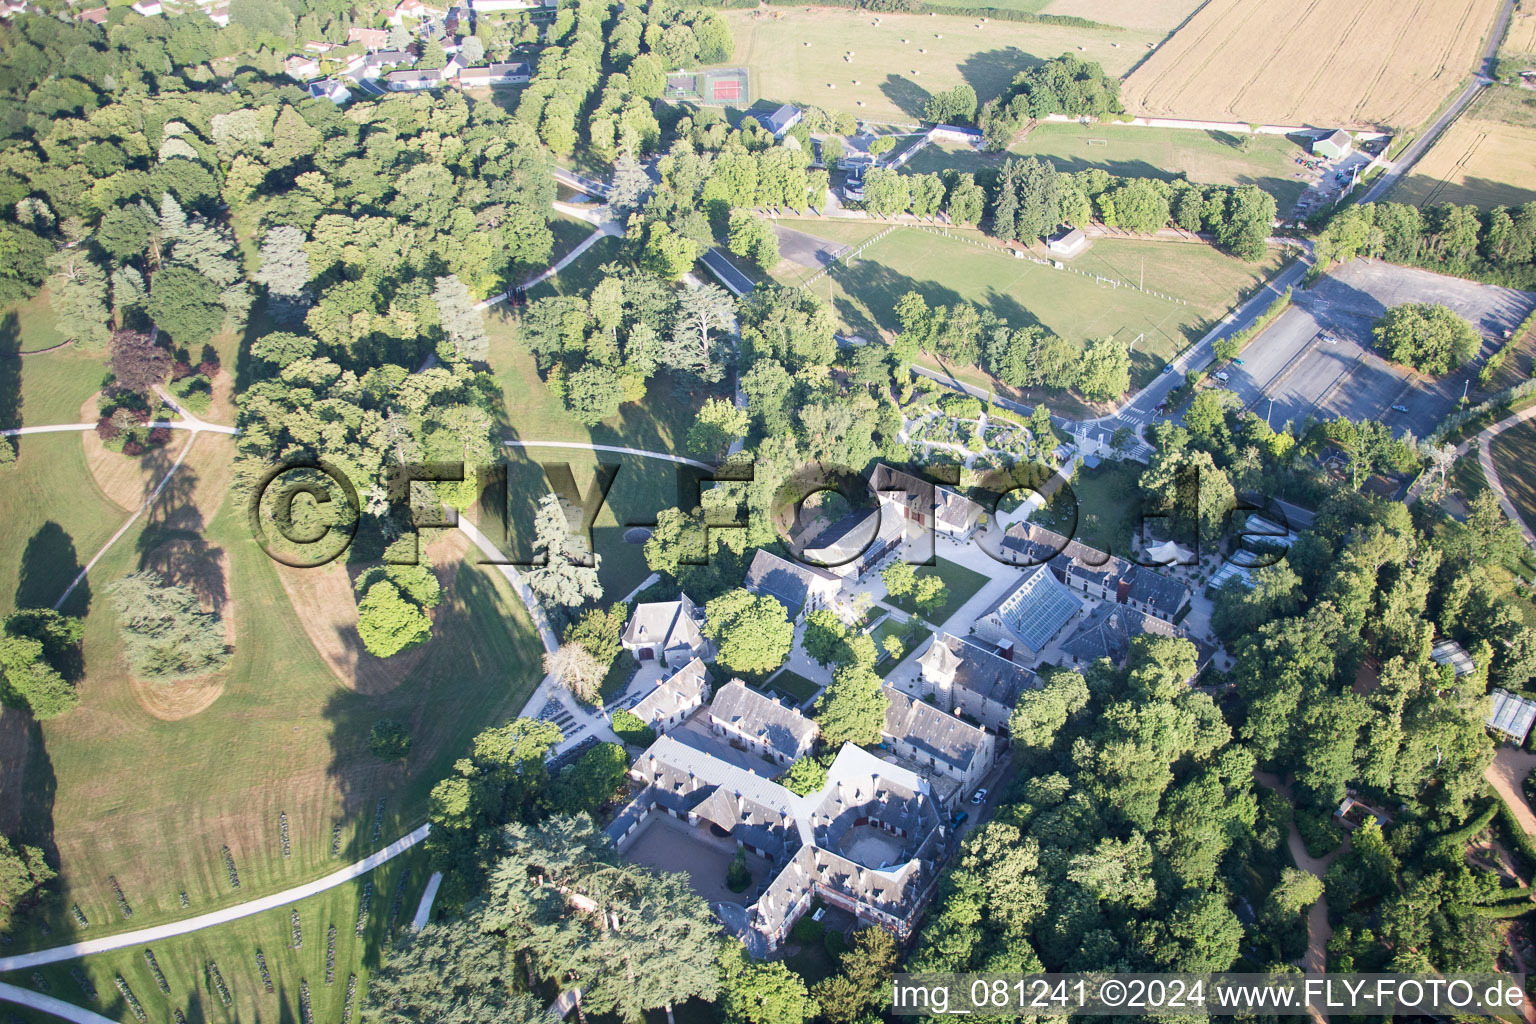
{"points": [[946, 505], [783, 729], [1108, 632], [670, 623], [790, 583], [981, 671], [685, 688], [1163, 594], [946, 738], [843, 540]]}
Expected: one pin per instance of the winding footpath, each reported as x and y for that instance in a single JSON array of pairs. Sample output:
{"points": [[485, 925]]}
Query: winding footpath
{"points": [[1485, 460], [158, 933]]}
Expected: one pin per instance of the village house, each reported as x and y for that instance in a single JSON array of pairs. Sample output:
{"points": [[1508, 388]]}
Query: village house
{"points": [[372, 38], [940, 742], [330, 89], [494, 74], [674, 698], [783, 119], [801, 589], [669, 631], [931, 506], [973, 679], [301, 67], [148, 8], [761, 724]]}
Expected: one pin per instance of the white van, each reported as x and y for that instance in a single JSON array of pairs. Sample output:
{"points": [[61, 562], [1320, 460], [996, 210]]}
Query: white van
{"points": [[1222, 376]]}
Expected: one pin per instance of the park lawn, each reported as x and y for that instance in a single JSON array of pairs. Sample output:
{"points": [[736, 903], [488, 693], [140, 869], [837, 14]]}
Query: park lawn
{"points": [[33, 324], [1514, 456], [641, 488], [282, 737], [911, 633], [960, 585], [1107, 507], [1206, 157], [394, 890], [584, 273], [56, 518], [1079, 307], [797, 55], [569, 232], [55, 385]]}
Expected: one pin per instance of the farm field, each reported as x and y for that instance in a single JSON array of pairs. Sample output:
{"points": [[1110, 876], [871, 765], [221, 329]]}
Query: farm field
{"points": [[796, 55], [1077, 307], [1514, 456], [274, 734], [393, 891], [1209, 158], [1521, 37], [1476, 162], [1384, 63], [1149, 15]]}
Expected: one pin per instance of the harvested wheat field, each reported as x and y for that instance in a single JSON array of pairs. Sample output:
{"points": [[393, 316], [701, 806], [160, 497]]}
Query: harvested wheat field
{"points": [[1332, 63], [1476, 162], [1521, 37]]}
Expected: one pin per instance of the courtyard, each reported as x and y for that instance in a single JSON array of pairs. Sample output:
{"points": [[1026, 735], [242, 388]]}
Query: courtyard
{"points": [[668, 844]]}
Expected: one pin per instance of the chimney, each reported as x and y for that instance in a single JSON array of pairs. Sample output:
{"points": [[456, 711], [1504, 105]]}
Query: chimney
{"points": [[1005, 649]]}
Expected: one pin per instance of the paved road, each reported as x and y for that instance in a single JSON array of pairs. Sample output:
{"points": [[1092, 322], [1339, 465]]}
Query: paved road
{"points": [[613, 448], [1410, 156], [48, 1004], [144, 936], [734, 280]]}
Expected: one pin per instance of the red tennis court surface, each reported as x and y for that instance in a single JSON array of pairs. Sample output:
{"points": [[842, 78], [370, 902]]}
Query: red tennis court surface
{"points": [[727, 90]]}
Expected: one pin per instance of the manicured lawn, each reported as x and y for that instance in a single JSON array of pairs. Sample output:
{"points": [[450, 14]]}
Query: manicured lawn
{"points": [[34, 322], [54, 385], [282, 737], [912, 633], [1107, 507], [641, 488], [960, 585], [394, 891], [793, 685], [897, 60], [1514, 456], [1207, 157], [569, 232], [584, 273], [1076, 306]]}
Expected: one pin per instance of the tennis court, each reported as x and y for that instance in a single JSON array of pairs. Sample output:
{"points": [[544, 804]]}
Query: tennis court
{"points": [[723, 86]]}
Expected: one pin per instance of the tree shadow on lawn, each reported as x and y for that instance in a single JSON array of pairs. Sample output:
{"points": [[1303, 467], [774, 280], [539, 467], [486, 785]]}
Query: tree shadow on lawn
{"points": [[26, 767], [989, 72], [871, 286], [172, 543], [905, 94], [10, 377], [48, 565]]}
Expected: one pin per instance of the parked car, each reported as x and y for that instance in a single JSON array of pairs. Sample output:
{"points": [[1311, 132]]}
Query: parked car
{"points": [[1168, 368], [959, 818], [1330, 339], [1399, 408], [1223, 376], [979, 796], [1237, 362]]}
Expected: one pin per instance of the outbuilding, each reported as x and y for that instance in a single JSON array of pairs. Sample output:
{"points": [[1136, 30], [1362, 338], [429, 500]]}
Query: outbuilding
{"points": [[1335, 146]]}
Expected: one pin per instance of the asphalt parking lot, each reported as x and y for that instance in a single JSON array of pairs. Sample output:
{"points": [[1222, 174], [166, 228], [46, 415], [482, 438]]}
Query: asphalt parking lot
{"points": [[1291, 374], [807, 250]]}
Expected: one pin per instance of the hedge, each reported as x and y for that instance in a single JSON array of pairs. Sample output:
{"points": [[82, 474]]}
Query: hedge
{"points": [[1502, 352], [1515, 834], [1234, 345], [1502, 400], [919, 7]]}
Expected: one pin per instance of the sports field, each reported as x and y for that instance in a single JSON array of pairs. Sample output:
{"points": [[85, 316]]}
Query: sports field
{"points": [[1355, 63], [1074, 305], [1151, 15], [894, 61], [1207, 157]]}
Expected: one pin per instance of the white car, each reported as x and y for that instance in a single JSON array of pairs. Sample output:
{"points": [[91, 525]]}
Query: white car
{"points": [[1222, 376], [979, 796]]}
